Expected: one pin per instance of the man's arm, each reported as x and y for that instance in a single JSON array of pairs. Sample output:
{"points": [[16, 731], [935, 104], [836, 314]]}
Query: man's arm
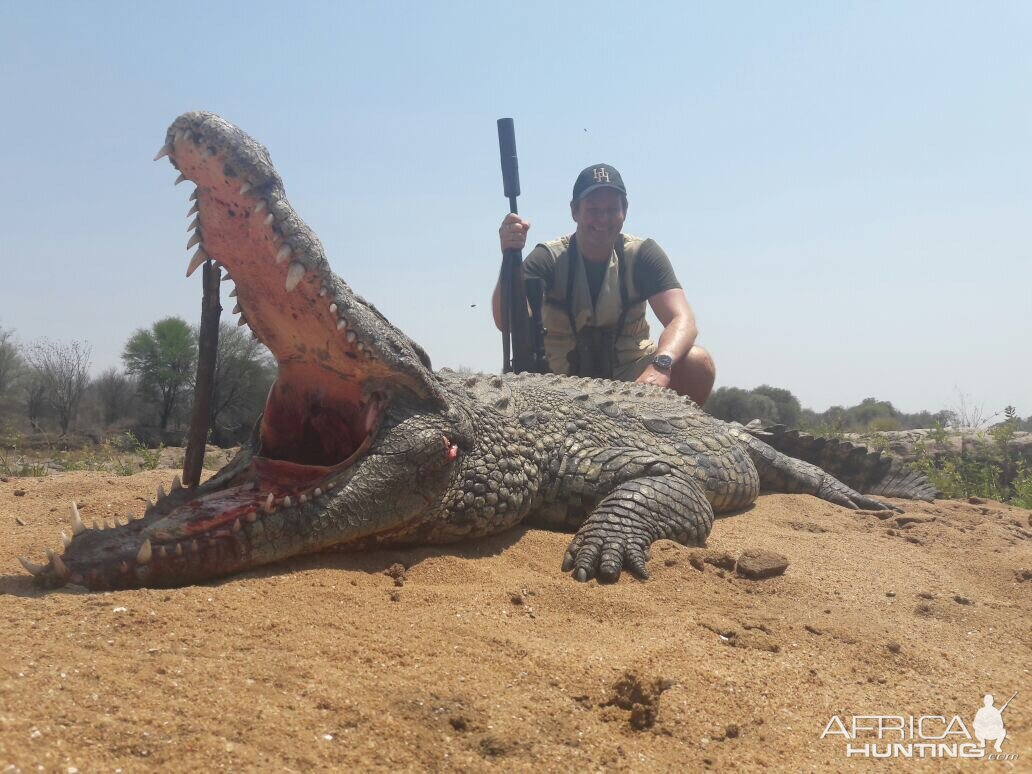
{"points": [[679, 331]]}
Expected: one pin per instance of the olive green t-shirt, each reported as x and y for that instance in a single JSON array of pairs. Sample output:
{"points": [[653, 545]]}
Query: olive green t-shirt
{"points": [[652, 271]]}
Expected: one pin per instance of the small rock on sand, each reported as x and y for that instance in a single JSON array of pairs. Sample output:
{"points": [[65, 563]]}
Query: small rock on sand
{"points": [[757, 564]]}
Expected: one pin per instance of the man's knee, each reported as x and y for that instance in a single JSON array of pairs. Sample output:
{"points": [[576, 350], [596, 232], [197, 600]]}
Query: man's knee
{"points": [[699, 359], [694, 374]]}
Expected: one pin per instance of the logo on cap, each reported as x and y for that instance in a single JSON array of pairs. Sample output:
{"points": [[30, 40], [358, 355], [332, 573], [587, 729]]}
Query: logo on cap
{"points": [[597, 176]]}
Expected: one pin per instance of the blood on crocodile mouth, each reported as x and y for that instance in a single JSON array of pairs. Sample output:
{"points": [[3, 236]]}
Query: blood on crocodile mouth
{"points": [[307, 448]]}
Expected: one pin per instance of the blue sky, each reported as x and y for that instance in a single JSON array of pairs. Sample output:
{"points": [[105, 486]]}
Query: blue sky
{"points": [[845, 189]]}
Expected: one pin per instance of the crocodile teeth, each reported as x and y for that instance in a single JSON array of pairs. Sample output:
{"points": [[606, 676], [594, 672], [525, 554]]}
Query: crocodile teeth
{"points": [[194, 240], [303, 498], [161, 552], [194, 223], [342, 324], [199, 257], [124, 567], [32, 567], [193, 196], [108, 524], [194, 546], [180, 179], [236, 525], [194, 209], [77, 525], [270, 219], [165, 150], [179, 549], [333, 308], [144, 554], [322, 291], [245, 188], [161, 491], [259, 208], [232, 293], [94, 525], [351, 337], [241, 321], [59, 566], [283, 254], [270, 501], [236, 309], [294, 275], [65, 540], [177, 483], [318, 492], [287, 502]]}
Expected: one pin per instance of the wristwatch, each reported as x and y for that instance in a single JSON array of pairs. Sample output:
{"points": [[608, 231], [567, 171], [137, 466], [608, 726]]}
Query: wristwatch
{"points": [[663, 363]]}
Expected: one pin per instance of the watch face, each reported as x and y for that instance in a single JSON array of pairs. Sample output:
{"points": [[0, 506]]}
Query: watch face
{"points": [[663, 363]]}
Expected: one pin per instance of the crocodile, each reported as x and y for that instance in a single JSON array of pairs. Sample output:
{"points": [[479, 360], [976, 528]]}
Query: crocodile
{"points": [[363, 445]]}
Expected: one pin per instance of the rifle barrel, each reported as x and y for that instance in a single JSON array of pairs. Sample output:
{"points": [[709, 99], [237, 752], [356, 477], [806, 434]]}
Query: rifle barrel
{"points": [[510, 163], [1008, 702]]}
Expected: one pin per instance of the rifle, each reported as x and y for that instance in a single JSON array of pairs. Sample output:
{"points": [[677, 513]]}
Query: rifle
{"points": [[527, 340]]}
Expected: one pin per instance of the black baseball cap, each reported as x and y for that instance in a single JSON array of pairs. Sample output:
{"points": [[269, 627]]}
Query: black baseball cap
{"points": [[597, 176]]}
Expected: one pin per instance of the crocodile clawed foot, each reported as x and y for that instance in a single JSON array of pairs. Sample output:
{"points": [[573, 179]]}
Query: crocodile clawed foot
{"points": [[605, 557]]}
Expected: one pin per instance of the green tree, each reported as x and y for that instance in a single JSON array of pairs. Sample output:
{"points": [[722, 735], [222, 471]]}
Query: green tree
{"points": [[869, 411], [788, 407], [734, 404], [164, 360]]}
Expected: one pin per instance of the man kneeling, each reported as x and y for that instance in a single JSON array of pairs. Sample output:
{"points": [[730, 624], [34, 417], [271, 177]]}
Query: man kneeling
{"points": [[596, 283]]}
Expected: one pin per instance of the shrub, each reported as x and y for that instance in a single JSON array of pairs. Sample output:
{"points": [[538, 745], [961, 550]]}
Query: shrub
{"points": [[991, 469]]}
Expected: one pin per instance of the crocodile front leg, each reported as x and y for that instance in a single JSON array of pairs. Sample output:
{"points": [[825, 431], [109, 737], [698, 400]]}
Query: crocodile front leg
{"points": [[643, 498]]}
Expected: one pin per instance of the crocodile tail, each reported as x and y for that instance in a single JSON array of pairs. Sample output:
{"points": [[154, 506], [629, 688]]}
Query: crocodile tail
{"points": [[865, 470]]}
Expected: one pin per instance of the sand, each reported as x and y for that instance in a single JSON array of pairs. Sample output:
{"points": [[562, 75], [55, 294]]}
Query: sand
{"points": [[483, 656]]}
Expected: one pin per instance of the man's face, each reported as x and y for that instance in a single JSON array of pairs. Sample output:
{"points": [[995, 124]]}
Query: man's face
{"points": [[599, 217]]}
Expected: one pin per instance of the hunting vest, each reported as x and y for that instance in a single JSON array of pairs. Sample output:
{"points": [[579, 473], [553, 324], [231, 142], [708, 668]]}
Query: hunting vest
{"points": [[618, 312]]}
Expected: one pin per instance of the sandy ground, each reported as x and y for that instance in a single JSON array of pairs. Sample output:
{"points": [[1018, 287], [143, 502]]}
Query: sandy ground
{"points": [[485, 657]]}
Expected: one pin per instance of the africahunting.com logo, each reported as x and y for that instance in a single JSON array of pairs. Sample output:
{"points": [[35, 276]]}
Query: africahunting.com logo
{"points": [[924, 736]]}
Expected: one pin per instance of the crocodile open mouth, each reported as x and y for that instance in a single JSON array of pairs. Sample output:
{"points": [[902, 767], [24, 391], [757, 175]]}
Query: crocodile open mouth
{"points": [[339, 363], [322, 410]]}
